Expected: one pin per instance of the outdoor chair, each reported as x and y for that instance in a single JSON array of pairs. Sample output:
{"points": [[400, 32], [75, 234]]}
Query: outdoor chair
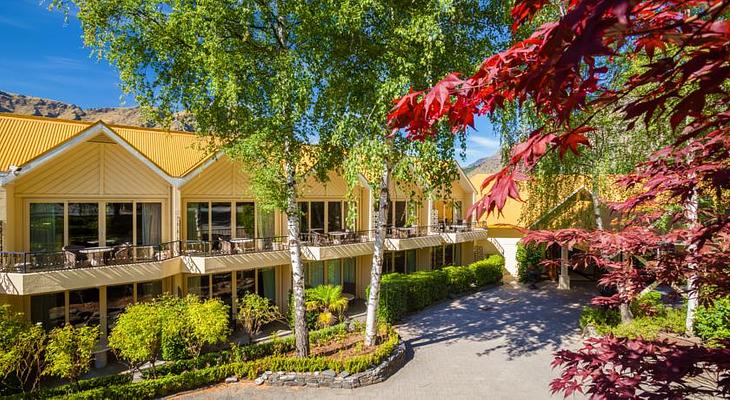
{"points": [[122, 254], [73, 257], [226, 247]]}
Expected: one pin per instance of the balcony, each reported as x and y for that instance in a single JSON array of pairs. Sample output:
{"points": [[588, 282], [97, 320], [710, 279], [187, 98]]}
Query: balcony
{"points": [[413, 237], [462, 232], [333, 245], [233, 254]]}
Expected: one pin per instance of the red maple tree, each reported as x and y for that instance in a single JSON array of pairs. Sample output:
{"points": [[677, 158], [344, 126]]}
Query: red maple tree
{"points": [[560, 70]]}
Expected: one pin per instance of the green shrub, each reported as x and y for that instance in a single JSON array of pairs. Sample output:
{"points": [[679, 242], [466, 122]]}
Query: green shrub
{"points": [[489, 270], [310, 315], [83, 385], [21, 352], [425, 288], [599, 317], [460, 279], [649, 304], [712, 323], [70, 351], [254, 312], [393, 297], [528, 257]]}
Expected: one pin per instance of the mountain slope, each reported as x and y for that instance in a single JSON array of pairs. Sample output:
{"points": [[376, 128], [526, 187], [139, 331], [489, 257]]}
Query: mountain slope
{"points": [[29, 105], [484, 165]]}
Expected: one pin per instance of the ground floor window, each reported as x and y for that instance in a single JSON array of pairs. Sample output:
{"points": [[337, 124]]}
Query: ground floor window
{"points": [[402, 262], [223, 288], [83, 307], [199, 286], [333, 272], [118, 297], [49, 310], [437, 257], [147, 291]]}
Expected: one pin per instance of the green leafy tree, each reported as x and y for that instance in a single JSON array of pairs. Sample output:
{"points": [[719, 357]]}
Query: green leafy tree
{"points": [[254, 312], [70, 351], [328, 302], [384, 46], [21, 350], [206, 323], [137, 335]]}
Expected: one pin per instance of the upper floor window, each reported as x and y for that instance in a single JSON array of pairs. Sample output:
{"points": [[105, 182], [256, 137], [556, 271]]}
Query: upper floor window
{"points": [[53, 225], [397, 213], [215, 221], [322, 216]]}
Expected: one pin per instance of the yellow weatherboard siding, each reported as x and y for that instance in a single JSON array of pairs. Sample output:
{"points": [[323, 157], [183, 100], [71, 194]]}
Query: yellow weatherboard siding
{"points": [[25, 138]]}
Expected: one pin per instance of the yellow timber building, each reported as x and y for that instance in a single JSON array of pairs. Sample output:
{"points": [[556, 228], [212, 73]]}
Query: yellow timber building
{"points": [[94, 217]]}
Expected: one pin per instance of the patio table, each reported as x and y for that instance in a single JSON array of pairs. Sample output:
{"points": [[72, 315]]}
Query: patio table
{"points": [[238, 242], [96, 254], [338, 236]]}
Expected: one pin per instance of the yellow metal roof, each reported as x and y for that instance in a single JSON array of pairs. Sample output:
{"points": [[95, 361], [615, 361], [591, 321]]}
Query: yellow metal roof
{"points": [[24, 138]]}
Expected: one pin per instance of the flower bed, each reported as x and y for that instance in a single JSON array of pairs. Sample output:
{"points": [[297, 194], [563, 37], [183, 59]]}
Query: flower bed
{"points": [[251, 362]]}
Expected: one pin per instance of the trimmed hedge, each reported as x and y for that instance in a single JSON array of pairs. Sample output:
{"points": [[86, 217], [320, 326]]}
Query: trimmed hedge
{"points": [[70, 388], [400, 294]]}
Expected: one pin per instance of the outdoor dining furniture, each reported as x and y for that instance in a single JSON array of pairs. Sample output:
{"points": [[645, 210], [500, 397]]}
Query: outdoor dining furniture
{"points": [[143, 253], [242, 245], [96, 254], [338, 237]]}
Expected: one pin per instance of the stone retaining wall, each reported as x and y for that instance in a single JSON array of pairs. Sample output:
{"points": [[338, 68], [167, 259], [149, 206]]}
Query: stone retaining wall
{"points": [[343, 380]]}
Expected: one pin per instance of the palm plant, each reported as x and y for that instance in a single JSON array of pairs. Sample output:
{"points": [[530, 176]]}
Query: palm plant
{"points": [[328, 301]]}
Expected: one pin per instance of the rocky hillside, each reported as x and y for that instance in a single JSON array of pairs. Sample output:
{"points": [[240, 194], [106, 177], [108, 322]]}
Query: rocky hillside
{"points": [[28, 105], [484, 165]]}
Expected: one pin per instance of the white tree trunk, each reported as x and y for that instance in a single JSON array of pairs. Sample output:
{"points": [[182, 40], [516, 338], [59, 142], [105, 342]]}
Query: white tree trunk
{"points": [[297, 268], [371, 323], [692, 289]]}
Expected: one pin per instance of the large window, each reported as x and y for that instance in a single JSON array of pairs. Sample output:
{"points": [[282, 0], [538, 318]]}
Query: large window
{"points": [[315, 273], [334, 272], [48, 310], [46, 226], [220, 217], [410, 261], [397, 213], [313, 218], [348, 275], [118, 297], [334, 216], [83, 224], [197, 221], [267, 283], [119, 222], [83, 307], [223, 288], [149, 224], [148, 291], [245, 282], [199, 285], [245, 214], [437, 257], [449, 255]]}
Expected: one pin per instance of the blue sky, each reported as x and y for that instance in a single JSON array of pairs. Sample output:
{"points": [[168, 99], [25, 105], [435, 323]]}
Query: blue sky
{"points": [[43, 57]]}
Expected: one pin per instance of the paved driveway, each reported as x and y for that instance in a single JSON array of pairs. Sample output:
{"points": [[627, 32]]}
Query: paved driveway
{"points": [[494, 344]]}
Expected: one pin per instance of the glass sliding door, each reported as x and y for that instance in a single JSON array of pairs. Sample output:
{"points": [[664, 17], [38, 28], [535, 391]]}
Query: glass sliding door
{"points": [[48, 310], [117, 299], [410, 261], [197, 221], [245, 283], [245, 213], [399, 262], [149, 224], [317, 215], [304, 217], [457, 212], [119, 218], [400, 213], [83, 224], [348, 276], [83, 307], [334, 216], [334, 273], [437, 260], [46, 226], [148, 291], [449, 254], [220, 216], [267, 283], [223, 288], [316, 273], [266, 229], [199, 285]]}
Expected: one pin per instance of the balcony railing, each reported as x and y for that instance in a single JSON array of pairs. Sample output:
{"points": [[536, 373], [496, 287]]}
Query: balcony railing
{"points": [[455, 227], [335, 238]]}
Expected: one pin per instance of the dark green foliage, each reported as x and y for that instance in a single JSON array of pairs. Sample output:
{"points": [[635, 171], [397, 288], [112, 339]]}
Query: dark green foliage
{"points": [[393, 303], [83, 385], [488, 270], [172, 346], [310, 316], [528, 257], [712, 323], [460, 279], [400, 293], [651, 317]]}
